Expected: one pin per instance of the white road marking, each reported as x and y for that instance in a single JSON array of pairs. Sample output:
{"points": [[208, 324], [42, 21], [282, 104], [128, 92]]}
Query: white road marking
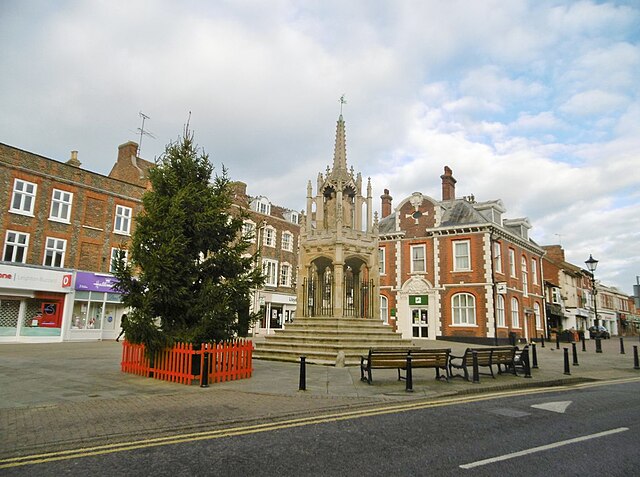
{"points": [[542, 448], [558, 406]]}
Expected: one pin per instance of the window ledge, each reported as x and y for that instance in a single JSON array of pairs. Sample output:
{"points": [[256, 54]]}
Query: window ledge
{"points": [[59, 221], [21, 212], [460, 325]]}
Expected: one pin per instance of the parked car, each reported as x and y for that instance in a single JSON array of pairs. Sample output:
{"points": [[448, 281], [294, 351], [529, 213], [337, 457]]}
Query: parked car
{"points": [[599, 332]]}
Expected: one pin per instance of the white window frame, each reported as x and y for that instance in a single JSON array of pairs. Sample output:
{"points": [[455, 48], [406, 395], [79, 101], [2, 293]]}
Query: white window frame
{"points": [[463, 309], [384, 309], [24, 193], [500, 312], [114, 251], [285, 274], [61, 206], [287, 241], [512, 262], [381, 261], [525, 276], [537, 313], [122, 222], [15, 246], [515, 313], [534, 271], [461, 261], [497, 256], [270, 271], [54, 251], [420, 260], [249, 229], [269, 238]]}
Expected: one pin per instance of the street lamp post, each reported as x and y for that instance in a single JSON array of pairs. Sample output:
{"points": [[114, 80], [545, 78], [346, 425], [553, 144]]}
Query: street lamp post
{"points": [[592, 263]]}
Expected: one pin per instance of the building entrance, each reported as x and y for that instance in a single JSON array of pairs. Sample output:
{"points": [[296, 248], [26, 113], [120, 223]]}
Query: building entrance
{"points": [[420, 322]]}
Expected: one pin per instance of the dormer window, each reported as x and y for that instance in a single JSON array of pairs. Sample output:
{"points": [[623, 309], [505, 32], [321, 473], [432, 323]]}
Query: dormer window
{"points": [[261, 205]]}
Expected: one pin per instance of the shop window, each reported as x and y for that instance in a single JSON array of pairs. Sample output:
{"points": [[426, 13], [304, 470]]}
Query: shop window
{"points": [[24, 197], [15, 247], [54, 252], [61, 206], [464, 309], [9, 315], [88, 310], [122, 224]]}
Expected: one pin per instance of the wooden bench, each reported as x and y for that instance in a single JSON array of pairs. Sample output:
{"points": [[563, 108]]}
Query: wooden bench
{"points": [[390, 358], [487, 358]]}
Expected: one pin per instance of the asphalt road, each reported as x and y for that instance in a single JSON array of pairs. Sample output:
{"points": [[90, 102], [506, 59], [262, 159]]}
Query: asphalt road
{"points": [[586, 430]]}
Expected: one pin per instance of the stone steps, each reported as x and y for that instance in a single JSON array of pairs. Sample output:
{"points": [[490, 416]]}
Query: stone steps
{"points": [[328, 341]]}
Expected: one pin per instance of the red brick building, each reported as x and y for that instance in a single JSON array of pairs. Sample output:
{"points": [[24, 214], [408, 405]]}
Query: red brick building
{"points": [[59, 220], [457, 269]]}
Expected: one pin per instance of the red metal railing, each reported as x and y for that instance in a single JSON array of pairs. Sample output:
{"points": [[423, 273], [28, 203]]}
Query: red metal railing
{"points": [[227, 361]]}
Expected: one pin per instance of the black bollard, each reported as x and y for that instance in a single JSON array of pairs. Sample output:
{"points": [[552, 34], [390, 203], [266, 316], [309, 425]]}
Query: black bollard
{"points": [[476, 372], [636, 364], [621, 345], [557, 340], [584, 343], [204, 372], [542, 341], [575, 354], [525, 362], [409, 386], [566, 361], [303, 374], [598, 345], [535, 356]]}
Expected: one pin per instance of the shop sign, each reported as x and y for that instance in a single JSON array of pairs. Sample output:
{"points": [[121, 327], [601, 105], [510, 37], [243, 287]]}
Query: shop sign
{"points": [[418, 300], [501, 288], [36, 279], [95, 282], [281, 298]]}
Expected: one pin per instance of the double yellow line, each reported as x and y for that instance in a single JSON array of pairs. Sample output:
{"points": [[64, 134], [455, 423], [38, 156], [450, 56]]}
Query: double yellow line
{"points": [[286, 424]]}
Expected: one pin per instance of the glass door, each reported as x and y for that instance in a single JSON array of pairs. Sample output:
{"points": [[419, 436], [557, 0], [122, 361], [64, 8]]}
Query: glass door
{"points": [[420, 322]]}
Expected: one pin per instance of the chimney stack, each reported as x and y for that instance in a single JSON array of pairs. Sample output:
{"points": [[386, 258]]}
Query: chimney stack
{"points": [[74, 159], [386, 203], [448, 184], [127, 150]]}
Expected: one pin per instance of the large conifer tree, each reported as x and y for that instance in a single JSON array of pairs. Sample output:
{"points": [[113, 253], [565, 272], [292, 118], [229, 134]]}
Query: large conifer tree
{"points": [[189, 274]]}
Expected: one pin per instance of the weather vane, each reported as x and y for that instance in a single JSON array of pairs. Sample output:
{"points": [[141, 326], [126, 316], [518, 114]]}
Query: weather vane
{"points": [[342, 102]]}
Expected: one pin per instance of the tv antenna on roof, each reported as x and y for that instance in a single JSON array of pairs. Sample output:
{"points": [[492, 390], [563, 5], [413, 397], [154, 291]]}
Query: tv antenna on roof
{"points": [[143, 132]]}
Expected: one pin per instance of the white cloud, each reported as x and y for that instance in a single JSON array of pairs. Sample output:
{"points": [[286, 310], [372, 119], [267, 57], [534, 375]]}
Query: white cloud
{"points": [[594, 102]]}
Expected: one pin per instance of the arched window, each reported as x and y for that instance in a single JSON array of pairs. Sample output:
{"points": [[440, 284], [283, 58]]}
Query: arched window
{"points": [[464, 309], [500, 311], [384, 309], [515, 313], [538, 315]]}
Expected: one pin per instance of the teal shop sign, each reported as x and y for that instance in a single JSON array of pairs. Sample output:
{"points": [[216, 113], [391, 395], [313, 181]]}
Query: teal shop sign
{"points": [[418, 300]]}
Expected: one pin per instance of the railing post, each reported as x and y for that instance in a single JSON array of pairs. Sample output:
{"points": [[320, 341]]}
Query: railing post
{"points": [[204, 371], [525, 361], [584, 343], [598, 345], [409, 380], [557, 340], [636, 364], [621, 345], [542, 340], [535, 356], [575, 354], [476, 371], [566, 361], [303, 374]]}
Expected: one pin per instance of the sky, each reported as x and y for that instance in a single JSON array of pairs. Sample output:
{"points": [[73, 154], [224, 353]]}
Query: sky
{"points": [[536, 103]]}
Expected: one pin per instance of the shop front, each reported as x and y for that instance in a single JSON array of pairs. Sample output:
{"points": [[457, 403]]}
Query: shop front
{"points": [[97, 308], [277, 309], [33, 301]]}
